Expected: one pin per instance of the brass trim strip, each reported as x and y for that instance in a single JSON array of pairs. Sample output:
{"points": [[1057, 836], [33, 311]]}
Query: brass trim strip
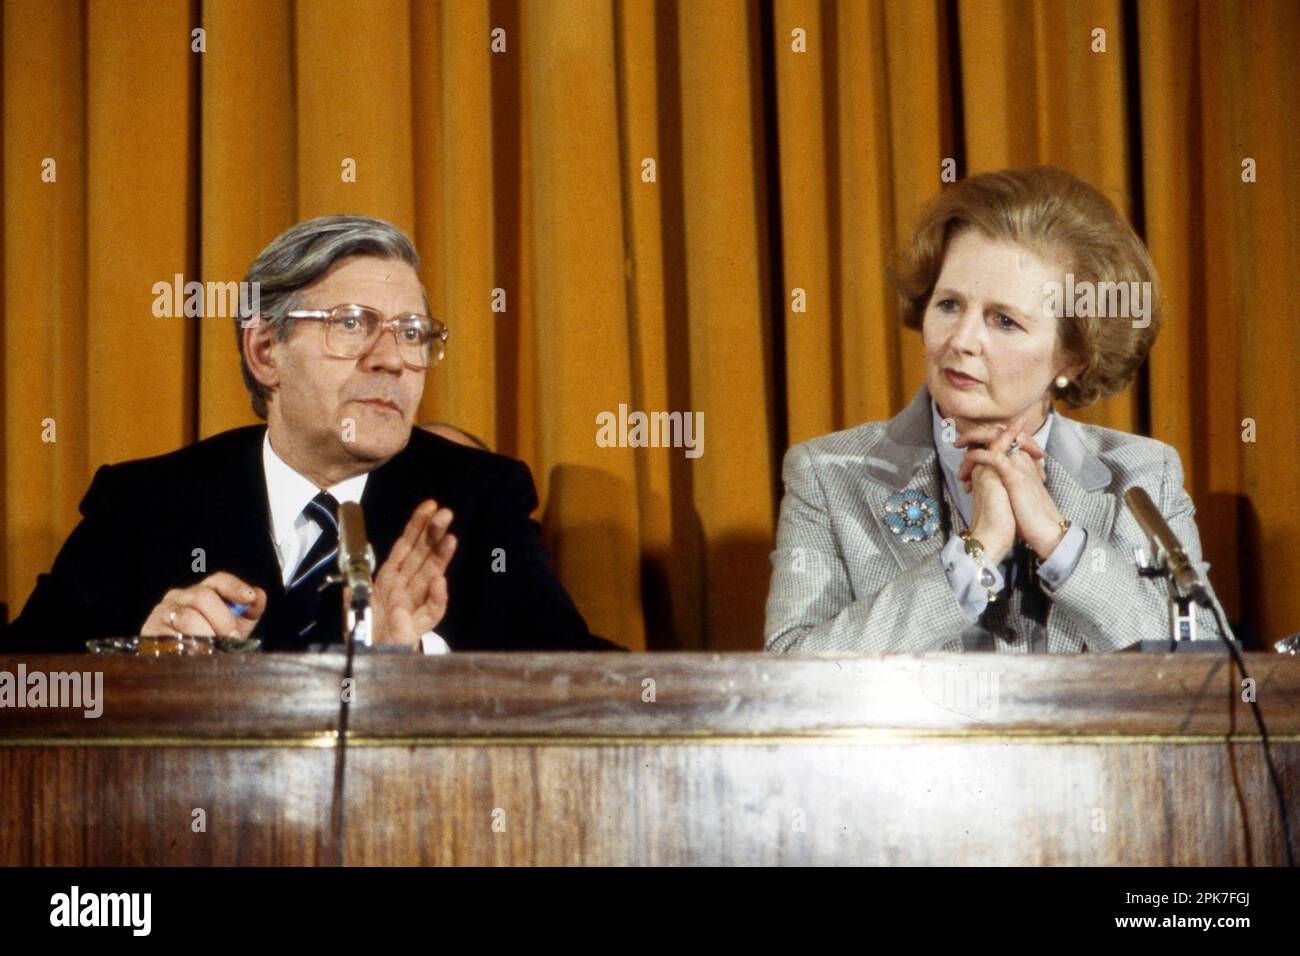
{"points": [[328, 739], [829, 737]]}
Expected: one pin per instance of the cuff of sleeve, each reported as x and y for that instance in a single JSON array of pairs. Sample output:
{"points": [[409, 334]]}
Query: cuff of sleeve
{"points": [[1060, 564], [963, 575], [431, 643]]}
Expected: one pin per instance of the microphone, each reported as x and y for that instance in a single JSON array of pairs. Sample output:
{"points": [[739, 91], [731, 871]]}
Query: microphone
{"points": [[1185, 585], [356, 569], [1184, 574]]}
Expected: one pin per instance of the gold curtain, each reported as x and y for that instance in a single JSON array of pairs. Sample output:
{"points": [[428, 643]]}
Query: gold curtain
{"points": [[647, 184]]}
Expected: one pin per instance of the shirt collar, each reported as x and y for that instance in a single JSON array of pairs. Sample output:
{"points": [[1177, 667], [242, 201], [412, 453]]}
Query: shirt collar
{"points": [[952, 456], [288, 492]]}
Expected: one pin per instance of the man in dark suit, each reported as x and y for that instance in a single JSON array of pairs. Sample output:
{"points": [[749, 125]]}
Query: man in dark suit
{"points": [[238, 534]]}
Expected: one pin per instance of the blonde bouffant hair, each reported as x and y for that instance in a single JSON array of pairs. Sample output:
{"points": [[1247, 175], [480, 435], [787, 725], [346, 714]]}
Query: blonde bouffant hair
{"points": [[1062, 219]]}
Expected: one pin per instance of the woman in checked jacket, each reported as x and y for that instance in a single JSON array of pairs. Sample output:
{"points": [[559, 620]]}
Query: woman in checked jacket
{"points": [[978, 518]]}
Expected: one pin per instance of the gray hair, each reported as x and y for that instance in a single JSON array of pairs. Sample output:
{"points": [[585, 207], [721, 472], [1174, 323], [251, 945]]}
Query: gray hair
{"points": [[297, 258]]}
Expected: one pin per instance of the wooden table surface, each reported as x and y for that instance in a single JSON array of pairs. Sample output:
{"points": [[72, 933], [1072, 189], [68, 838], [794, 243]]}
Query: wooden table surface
{"points": [[653, 759]]}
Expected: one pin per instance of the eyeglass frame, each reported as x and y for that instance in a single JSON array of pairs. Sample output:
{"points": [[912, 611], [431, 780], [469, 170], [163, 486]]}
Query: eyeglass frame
{"points": [[390, 324]]}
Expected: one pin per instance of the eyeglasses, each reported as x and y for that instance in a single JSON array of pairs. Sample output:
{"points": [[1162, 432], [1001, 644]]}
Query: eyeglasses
{"points": [[352, 330]]}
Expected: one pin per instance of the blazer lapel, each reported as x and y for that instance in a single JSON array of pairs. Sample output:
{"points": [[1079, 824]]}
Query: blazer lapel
{"points": [[387, 502], [1077, 480], [905, 460], [236, 515]]}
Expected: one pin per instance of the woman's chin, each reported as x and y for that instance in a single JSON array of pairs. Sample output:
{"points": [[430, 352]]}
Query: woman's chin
{"points": [[960, 403]]}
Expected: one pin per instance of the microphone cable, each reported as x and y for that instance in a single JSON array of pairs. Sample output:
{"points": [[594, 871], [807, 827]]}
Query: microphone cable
{"points": [[341, 756], [1263, 734]]}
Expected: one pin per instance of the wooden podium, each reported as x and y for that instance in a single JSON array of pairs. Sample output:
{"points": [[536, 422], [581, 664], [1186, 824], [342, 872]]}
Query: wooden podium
{"points": [[654, 759]]}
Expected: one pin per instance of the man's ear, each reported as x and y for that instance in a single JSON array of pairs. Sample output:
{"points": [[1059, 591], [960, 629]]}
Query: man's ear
{"points": [[259, 341]]}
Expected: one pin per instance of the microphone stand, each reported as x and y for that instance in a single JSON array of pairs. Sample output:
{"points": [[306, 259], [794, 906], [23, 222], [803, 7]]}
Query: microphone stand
{"points": [[1182, 603], [1183, 597], [356, 567], [358, 617]]}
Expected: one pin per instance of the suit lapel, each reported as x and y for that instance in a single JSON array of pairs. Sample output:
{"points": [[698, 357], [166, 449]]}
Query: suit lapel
{"points": [[235, 515], [1077, 480], [905, 460], [387, 502]]}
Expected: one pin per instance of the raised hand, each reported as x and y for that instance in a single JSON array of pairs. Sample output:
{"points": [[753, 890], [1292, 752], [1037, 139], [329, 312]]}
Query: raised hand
{"points": [[411, 586]]}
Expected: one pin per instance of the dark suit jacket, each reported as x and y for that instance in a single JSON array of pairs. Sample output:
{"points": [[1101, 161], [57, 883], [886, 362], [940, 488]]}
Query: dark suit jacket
{"points": [[143, 521]]}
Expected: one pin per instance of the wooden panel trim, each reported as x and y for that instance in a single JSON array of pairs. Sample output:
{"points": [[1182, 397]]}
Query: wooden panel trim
{"points": [[261, 699]]}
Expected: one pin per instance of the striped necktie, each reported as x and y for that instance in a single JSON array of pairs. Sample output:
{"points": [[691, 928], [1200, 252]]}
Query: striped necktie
{"points": [[308, 604]]}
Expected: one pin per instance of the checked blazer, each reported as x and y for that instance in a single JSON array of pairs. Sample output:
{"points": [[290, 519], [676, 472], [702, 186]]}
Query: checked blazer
{"points": [[843, 582]]}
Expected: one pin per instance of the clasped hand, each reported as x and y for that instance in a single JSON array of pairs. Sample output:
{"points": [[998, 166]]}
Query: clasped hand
{"points": [[1010, 497]]}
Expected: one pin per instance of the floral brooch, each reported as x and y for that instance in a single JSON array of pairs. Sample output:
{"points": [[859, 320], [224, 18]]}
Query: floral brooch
{"points": [[912, 515]]}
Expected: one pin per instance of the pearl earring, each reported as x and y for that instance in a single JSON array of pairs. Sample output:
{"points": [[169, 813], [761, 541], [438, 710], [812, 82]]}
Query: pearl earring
{"points": [[1062, 381]]}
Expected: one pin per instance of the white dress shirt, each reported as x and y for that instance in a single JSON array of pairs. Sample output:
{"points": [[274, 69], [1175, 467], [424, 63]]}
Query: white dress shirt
{"points": [[961, 568], [293, 533]]}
